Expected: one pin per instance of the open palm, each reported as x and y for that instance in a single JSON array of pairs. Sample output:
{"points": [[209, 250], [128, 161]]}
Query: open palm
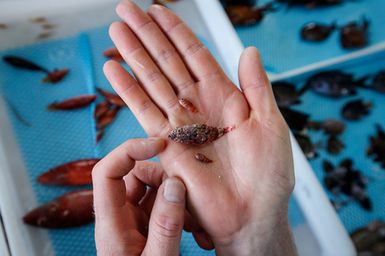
{"points": [[251, 176]]}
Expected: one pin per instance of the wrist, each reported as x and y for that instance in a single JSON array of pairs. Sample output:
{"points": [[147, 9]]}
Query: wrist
{"points": [[271, 236]]}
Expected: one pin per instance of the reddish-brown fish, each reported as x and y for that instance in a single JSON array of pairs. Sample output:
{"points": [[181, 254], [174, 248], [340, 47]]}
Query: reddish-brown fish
{"points": [[101, 108], [107, 118], [112, 98], [56, 76], [202, 158], [72, 173], [99, 135], [70, 210], [188, 105], [113, 54], [73, 103], [197, 134]]}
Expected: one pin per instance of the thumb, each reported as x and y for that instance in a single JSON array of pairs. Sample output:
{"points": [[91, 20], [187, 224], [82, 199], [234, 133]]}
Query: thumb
{"points": [[255, 83], [167, 219]]}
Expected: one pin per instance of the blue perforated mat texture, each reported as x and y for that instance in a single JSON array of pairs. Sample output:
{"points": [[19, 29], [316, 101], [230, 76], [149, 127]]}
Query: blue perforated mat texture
{"points": [[58, 137], [277, 36], [355, 137]]}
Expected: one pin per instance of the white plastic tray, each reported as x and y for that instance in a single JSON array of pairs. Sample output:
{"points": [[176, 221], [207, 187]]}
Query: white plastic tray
{"points": [[323, 234]]}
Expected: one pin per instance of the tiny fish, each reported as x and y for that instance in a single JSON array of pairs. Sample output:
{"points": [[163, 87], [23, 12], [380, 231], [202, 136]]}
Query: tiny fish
{"points": [[356, 109], [197, 134], [56, 76], [73, 103], [355, 34], [202, 158], [3, 26], [112, 98], [101, 108], [44, 35], [113, 54], [107, 118], [19, 62], [48, 26], [99, 135], [38, 20], [317, 32], [188, 105]]}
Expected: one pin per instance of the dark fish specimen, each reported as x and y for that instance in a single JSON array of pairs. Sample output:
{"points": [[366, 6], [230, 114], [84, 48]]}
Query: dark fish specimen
{"points": [[307, 146], [356, 109], [296, 120], [101, 108], [334, 83], [107, 118], [70, 210], [344, 179], [45, 35], [202, 158], [39, 20], [238, 2], [185, 103], [16, 112], [376, 149], [197, 134], [317, 32], [329, 126], [243, 15], [99, 135], [113, 53], [54, 76], [73, 103], [334, 145], [370, 239], [311, 3], [286, 94], [72, 173], [112, 98], [354, 34], [22, 63]]}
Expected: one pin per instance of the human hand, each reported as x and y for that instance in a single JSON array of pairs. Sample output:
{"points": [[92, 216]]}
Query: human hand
{"points": [[130, 219], [240, 199]]}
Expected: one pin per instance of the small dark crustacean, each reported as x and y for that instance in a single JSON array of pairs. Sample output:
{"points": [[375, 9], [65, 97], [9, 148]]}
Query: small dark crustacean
{"points": [[370, 240], [69, 174], [356, 109], [344, 179], [334, 145], [307, 146], [73, 103], [316, 32], [244, 15], [70, 210], [329, 126], [197, 134], [112, 98], [286, 94], [114, 54], [54, 76], [202, 158], [376, 149], [354, 34], [334, 83], [296, 120], [107, 118], [185, 103]]}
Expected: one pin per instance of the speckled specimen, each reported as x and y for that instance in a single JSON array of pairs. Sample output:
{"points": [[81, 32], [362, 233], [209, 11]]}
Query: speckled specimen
{"points": [[197, 134]]}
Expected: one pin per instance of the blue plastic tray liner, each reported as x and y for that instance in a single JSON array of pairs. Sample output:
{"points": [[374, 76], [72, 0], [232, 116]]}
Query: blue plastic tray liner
{"points": [[277, 36], [355, 137], [58, 137]]}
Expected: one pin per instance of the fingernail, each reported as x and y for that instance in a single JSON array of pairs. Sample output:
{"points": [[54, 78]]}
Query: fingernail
{"points": [[174, 191]]}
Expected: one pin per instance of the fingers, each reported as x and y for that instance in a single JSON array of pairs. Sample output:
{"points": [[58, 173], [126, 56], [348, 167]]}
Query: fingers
{"points": [[157, 44], [167, 217], [255, 83], [149, 116], [146, 71], [196, 56], [109, 186]]}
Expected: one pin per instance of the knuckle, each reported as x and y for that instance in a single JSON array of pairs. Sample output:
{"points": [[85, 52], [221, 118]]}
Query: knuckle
{"points": [[154, 76], [145, 105], [194, 48], [167, 226], [165, 54]]}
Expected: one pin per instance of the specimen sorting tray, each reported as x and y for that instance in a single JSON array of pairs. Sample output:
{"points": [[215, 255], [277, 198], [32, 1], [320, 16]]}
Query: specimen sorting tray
{"points": [[355, 137], [55, 138], [278, 35]]}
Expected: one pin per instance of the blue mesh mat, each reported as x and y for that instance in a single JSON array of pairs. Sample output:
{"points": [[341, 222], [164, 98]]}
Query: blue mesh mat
{"points": [[58, 137], [355, 137], [277, 36]]}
